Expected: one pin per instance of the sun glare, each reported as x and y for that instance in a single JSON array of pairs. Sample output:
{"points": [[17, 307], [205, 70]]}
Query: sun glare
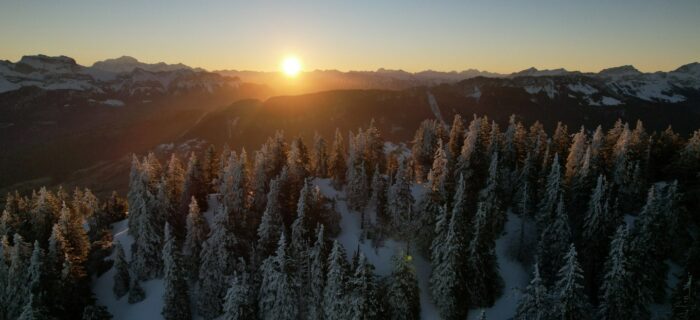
{"points": [[291, 66]]}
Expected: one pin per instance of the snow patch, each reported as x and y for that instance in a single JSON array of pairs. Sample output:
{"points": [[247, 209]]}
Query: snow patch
{"points": [[380, 257], [515, 277]]}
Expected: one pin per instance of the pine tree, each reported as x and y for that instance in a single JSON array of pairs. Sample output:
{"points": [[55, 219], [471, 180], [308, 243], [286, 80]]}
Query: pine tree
{"points": [[320, 157], [572, 303], [554, 245], [364, 302], [597, 229], [400, 202], [337, 162], [403, 292], [456, 138], [576, 154], [121, 275], [146, 257], [490, 204], [335, 302], [210, 166], [17, 292], [196, 235], [317, 271], [437, 176], [551, 195], [237, 303], [483, 282], [176, 301], [471, 160], [217, 261], [271, 223], [277, 299], [378, 199], [536, 302], [357, 188], [448, 280], [259, 182], [195, 185], [619, 292], [33, 310]]}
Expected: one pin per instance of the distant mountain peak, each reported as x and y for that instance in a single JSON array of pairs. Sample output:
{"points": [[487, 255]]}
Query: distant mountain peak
{"points": [[626, 70], [690, 68], [125, 64], [534, 72]]}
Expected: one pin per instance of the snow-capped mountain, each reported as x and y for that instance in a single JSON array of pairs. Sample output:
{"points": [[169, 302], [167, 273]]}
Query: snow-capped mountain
{"points": [[123, 75], [127, 64]]}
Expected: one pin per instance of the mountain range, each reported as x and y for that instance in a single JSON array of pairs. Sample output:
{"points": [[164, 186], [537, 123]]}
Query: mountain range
{"points": [[63, 123]]}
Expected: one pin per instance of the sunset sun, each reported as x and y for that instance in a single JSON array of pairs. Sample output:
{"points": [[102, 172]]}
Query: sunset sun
{"points": [[291, 66]]}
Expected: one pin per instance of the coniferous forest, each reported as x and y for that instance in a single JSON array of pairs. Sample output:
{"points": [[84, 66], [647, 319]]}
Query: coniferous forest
{"points": [[601, 219]]}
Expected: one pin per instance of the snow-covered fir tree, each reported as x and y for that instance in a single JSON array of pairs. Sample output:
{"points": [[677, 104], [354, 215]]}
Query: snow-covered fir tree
{"points": [[217, 262], [121, 275], [551, 194], [554, 244], [176, 299], [337, 165], [483, 281], [618, 294], [364, 301], [571, 300], [238, 304], [196, 233], [277, 297], [536, 302], [319, 158], [448, 280], [317, 274], [403, 297], [271, 221], [335, 293], [400, 202]]}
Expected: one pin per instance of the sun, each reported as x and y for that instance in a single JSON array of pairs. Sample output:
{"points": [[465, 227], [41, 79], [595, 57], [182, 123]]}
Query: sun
{"points": [[291, 66]]}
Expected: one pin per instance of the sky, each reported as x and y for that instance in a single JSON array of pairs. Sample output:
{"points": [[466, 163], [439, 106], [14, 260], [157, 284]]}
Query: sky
{"points": [[497, 36]]}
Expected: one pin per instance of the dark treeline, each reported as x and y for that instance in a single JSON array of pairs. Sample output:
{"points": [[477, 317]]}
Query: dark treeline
{"points": [[602, 213]]}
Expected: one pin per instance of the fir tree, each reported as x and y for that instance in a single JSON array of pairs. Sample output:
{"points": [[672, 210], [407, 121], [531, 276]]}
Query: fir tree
{"points": [[335, 303], [551, 195], [536, 302], [217, 261], [448, 280], [483, 282], [572, 303], [403, 292], [197, 230], [364, 302], [619, 293], [317, 271], [320, 157], [554, 245], [121, 275], [490, 204], [176, 300], [337, 162], [271, 223], [400, 202], [237, 303], [277, 299]]}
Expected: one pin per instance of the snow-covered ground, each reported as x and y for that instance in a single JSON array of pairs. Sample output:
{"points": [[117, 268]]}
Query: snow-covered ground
{"points": [[380, 257], [515, 277], [120, 308]]}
